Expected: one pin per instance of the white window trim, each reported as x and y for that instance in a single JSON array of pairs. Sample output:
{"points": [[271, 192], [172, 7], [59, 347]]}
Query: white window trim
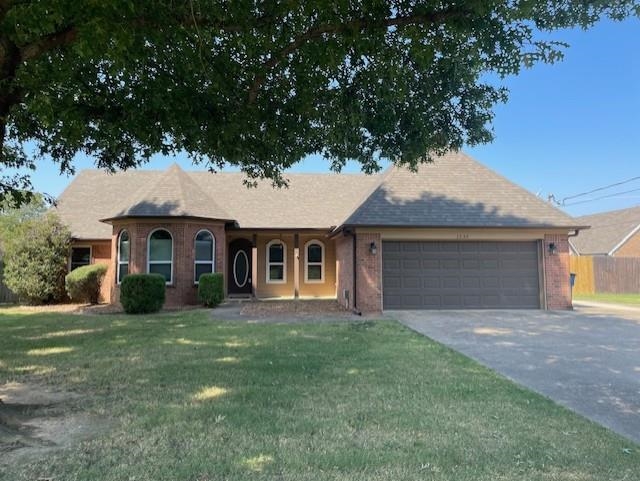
{"points": [[196, 262], [118, 261], [80, 246], [283, 263], [307, 263], [170, 281]]}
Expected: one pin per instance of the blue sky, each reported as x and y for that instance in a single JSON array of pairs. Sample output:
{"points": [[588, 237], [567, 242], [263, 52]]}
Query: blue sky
{"points": [[567, 128]]}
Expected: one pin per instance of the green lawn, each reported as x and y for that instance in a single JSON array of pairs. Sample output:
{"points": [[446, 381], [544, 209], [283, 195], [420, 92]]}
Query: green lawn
{"points": [[627, 299], [189, 398]]}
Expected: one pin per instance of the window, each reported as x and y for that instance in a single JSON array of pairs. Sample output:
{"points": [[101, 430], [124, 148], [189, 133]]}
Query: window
{"points": [[160, 254], [205, 247], [80, 256], [276, 262], [314, 262], [123, 255]]}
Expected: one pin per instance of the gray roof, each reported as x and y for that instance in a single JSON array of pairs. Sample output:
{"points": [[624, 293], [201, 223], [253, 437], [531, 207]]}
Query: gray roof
{"points": [[454, 191], [608, 230], [312, 201], [174, 193]]}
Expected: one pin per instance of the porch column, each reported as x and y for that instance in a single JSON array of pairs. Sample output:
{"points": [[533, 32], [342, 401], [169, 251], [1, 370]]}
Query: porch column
{"points": [[296, 266], [254, 265]]}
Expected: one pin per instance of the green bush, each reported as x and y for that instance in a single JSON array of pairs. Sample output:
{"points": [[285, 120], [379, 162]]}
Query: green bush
{"points": [[142, 293], [211, 289], [36, 252], [83, 284]]}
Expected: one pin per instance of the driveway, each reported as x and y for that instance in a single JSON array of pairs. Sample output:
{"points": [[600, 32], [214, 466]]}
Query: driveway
{"points": [[587, 359]]}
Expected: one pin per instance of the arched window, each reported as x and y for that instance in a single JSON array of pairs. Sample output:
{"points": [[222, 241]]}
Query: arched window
{"points": [[276, 262], [123, 255], [205, 254], [314, 262], [160, 254]]}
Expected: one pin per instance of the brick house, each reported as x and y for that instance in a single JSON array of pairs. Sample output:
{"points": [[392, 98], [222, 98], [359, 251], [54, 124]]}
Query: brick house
{"points": [[615, 233], [453, 235]]}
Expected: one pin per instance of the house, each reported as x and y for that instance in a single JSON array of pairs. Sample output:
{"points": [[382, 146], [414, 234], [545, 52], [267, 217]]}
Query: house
{"points": [[614, 233], [453, 235]]}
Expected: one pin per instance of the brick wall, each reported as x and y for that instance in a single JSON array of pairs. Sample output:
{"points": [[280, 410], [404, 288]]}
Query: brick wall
{"points": [[344, 270], [631, 248], [369, 273], [183, 289], [556, 269], [101, 254]]}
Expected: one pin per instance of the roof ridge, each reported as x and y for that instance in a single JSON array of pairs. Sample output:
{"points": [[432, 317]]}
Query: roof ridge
{"points": [[610, 212], [383, 177], [184, 200], [185, 178], [512, 183]]}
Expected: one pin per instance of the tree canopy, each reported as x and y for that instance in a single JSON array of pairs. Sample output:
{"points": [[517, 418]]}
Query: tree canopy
{"points": [[261, 84]]}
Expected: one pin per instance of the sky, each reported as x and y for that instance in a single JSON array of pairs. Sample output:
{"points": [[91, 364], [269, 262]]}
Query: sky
{"points": [[567, 128]]}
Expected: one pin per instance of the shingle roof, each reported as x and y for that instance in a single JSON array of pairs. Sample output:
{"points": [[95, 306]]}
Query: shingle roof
{"points": [[455, 191], [174, 193], [608, 229], [311, 201]]}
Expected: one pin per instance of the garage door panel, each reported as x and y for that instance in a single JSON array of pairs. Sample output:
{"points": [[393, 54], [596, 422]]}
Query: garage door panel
{"points": [[454, 275], [411, 264], [412, 282], [390, 263], [430, 282]]}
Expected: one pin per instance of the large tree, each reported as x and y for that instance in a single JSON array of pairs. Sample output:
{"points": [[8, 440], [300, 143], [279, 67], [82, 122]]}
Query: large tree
{"points": [[262, 83]]}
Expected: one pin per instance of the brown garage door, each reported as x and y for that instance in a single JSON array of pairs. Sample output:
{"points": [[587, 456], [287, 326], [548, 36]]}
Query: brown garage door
{"points": [[460, 275]]}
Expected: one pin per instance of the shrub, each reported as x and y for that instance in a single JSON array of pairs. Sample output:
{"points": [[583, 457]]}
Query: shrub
{"points": [[142, 293], [211, 289], [83, 284], [36, 255]]}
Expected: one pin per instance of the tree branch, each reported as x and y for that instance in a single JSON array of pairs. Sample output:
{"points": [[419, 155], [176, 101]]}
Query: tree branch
{"points": [[360, 24], [48, 42]]}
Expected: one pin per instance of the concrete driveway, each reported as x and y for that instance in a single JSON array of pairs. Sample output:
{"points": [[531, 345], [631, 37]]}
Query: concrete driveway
{"points": [[587, 359]]}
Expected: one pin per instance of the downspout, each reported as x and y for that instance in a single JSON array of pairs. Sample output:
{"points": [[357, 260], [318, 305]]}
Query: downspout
{"points": [[355, 277]]}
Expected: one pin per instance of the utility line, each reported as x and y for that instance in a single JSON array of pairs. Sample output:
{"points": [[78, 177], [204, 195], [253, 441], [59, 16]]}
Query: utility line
{"points": [[602, 197], [598, 190]]}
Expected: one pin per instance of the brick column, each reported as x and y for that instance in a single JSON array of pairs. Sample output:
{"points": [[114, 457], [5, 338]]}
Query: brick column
{"points": [[369, 273], [344, 270], [556, 270]]}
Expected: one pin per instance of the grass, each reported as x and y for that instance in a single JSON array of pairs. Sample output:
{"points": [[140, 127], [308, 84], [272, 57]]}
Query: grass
{"points": [[197, 399], [626, 299]]}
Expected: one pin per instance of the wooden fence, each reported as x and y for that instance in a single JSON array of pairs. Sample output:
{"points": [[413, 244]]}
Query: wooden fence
{"points": [[595, 274]]}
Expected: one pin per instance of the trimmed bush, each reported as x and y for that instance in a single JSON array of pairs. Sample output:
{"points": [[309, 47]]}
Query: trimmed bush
{"points": [[142, 293], [83, 284], [35, 256], [211, 289]]}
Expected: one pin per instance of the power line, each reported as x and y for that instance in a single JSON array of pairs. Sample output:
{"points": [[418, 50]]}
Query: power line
{"points": [[599, 189], [602, 197]]}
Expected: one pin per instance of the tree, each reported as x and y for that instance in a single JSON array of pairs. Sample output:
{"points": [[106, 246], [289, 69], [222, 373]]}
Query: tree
{"points": [[35, 257], [261, 84], [14, 212]]}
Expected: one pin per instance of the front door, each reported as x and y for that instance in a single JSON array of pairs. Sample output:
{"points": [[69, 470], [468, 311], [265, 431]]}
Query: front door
{"points": [[239, 266]]}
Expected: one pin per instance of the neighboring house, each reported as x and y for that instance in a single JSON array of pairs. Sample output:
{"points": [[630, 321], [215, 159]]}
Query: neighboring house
{"points": [[615, 233], [453, 235]]}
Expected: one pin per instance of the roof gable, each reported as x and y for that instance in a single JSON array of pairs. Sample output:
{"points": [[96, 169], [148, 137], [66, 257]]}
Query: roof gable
{"points": [[312, 201], [454, 191], [173, 194], [608, 232]]}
